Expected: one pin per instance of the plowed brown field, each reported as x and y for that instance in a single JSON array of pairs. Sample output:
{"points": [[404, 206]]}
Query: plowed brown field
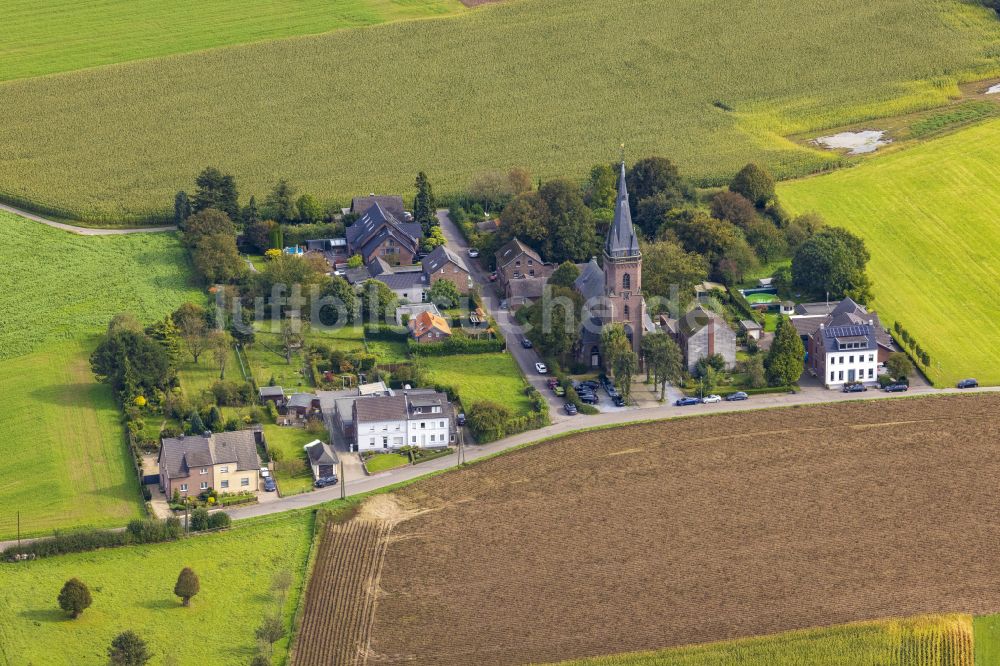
{"points": [[698, 530]]}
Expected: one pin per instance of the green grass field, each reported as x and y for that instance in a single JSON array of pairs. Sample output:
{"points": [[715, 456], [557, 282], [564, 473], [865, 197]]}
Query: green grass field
{"points": [[385, 461], [933, 640], [554, 103], [292, 473], [64, 460], [477, 377], [986, 629], [928, 216], [62, 35], [132, 588]]}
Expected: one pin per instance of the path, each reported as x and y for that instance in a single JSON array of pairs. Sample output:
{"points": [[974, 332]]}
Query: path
{"points": [[83, 231]]}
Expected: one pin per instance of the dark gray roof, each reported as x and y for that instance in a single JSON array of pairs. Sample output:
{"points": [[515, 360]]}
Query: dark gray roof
{"points": [[303, 400], [377, 266], [271, 391], [529, 288], [320, 453], [389, 231], [392, 203], [749, 325], [440, 256], [590, 283], [814, 309], [622, 241], [357, 275], [402, 280], [380, 408], [178, 455], [374, 221], [847, 322], [697, 319]]}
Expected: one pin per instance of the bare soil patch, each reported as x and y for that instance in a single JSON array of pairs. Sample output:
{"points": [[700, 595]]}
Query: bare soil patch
{"points": [[712, 528]]}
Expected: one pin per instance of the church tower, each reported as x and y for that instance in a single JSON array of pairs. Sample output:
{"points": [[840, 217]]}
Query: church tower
{"points": [[623, 270]]}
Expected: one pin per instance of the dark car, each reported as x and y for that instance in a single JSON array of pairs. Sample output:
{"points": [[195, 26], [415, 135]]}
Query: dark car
{"points": [[589, 398], [526, 343], [570, 408], [896, 388], [461, 419], [739, 395], [324, 481], [685, 402], [968, 383], [592, 384], [269, 484], [854, 388], [619, 401]]}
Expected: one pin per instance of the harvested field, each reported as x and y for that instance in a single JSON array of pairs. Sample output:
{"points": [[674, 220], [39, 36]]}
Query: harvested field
{"points": [[340, 599], [708, 529]]}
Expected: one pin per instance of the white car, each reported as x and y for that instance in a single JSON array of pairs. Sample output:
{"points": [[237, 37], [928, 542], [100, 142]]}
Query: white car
{"points": [[541, 368], [473, 252], [708, 399]]}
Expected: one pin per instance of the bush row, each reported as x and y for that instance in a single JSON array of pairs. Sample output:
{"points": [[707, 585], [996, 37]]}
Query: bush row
{"points": [[386, 333], [455, 345], [740, 302], [79, 541]]}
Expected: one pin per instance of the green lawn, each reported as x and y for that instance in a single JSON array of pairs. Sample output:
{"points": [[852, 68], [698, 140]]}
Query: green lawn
{"points": [[384, 461], [198, 377], [61, 440], [388, 351], [63, 35], [347, 338], [292, 473], [781, 67], [476, 377], [132, 588], [918, 641], [267, 363], [929, 217], [986, 630]]}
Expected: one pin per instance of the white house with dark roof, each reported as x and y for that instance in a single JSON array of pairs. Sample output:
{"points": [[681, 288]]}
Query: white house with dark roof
{"points": [[419, 417], [848, 345], [225, 461]]}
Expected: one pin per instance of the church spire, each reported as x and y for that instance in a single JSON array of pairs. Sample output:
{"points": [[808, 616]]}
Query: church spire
{"points": [[622, 241]]}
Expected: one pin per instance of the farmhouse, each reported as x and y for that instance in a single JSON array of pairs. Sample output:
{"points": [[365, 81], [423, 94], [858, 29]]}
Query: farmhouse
{"points": [[443, 264], [613, 292], [419, 417], [379, 233], [225, 461], [429, 327], [848, 345], [521, 273]]}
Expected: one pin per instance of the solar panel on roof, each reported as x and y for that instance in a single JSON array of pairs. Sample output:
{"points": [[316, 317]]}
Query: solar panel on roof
{"points": [[846, 331]]}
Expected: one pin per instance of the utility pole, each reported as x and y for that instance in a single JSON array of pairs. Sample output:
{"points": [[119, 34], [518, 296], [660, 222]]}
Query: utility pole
{"points": [[461, 447], [343, 481], [19, 529]]}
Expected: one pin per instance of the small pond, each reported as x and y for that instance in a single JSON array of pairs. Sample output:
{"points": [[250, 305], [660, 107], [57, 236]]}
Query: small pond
{"points": [[856, 143]]}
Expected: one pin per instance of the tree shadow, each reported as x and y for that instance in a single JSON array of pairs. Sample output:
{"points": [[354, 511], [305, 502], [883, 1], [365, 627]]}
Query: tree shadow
{"points": [[161, 604], [45, 615]]}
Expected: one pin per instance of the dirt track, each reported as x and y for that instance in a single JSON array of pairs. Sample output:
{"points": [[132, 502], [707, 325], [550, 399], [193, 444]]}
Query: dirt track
{"points": [[682, 532]]}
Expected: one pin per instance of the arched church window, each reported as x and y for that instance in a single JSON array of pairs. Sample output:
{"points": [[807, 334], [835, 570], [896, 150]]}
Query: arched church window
{"points": [[626, 312], [626, 281]]}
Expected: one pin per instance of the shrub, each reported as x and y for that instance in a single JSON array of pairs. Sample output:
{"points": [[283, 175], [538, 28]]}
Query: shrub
{"points": [[127, 649], [232, 394], [455, 345], [74, 597], [187, 585], [219, 520], [199, 519]]}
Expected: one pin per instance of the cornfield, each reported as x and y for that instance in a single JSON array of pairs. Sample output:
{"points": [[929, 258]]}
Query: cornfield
{"points": [[551, 85]]}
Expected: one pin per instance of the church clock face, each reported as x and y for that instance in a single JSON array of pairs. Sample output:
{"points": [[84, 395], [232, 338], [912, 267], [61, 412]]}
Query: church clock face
{"points": [[626, 294]]}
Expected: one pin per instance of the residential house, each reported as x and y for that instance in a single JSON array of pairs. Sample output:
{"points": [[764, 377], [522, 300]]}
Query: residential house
{"points": [[404, 313], [443, 264], [379, 233], [302, 406], [702, 333], [274, 394], [408, 283], [516, 263], [322, 459], [847, 345], [225, 461], [429, 327], [419, 417]]}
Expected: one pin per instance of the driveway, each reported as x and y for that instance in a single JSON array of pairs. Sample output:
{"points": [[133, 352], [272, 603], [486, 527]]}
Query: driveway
{"points": [[83, 231], [511, 330]]}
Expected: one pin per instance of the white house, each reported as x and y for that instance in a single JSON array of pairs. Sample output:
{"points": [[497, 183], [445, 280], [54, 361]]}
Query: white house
{"points": [[420, 418], [846, 346]]}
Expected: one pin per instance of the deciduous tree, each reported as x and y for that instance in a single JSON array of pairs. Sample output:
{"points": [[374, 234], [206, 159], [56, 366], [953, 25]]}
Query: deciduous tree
{"points": [[444, 294], [127, 649], [833, 260], [182, 208], [187, 585], [216, 190], [755, 183], [564, 275], [191, 322], [74, 598], [280, 203]]}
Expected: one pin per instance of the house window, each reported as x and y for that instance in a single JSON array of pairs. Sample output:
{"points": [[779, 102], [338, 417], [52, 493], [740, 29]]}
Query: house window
{"points": [[385, 442], [831, 375], [626, 312], [626, 281], [432, 437], [204, 485], [531, 262], [225, 483], [840, 376], [414, 439], [184, 487], [532, 272], [442, 424], [517, 263], [224, 469], [423, 425], [204, 470], [871, 358], [871, 373], [851, 360], [245, 481]]}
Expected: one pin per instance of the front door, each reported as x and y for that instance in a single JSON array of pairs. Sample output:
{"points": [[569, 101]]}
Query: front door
{"points": [[850, 375]]}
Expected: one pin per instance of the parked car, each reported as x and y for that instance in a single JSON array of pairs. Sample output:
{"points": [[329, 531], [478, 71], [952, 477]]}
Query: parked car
{"points": [[540, 367], [324, 481], [685, 402], [855, 388], [968, 383], [739, 395], [473, 252], [570, 408], [710, 399], [559, 391], [264, 472], [896, 388], [592, 384], [552, 382], [619, 401], [493, 277], [526, 343], [269, 484], [503, 304], [589, 398], [461, 419]]}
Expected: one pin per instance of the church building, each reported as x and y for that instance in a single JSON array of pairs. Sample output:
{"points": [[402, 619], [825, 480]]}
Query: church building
{"points": [[612, 291]]}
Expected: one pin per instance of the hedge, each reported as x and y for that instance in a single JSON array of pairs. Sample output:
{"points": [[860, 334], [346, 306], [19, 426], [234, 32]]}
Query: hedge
{"points": [[743, 305], [455, 345], [80, 541], [386, 332]]}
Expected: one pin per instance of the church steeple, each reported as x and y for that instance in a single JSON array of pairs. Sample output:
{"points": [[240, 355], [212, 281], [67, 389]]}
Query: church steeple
{"points": [[622, 242]]}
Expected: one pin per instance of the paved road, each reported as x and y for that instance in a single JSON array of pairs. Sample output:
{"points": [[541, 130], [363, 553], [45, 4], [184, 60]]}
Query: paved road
{"points": [[83, 231]]}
